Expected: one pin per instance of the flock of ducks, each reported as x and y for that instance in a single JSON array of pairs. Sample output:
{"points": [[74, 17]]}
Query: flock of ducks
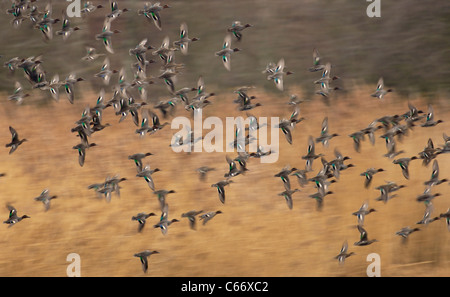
{"points": [[148, 122]]}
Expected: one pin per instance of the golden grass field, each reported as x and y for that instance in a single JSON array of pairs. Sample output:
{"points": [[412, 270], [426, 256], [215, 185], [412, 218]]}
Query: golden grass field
{"points": [[257, 235]]}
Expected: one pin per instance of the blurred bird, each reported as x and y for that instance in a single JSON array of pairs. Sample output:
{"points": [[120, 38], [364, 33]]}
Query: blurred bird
{"points": [[206, 217], [91, 54], [380, 92], [220, 186], [147, 173], [66, 29], [13, 217], [143, 256], [434, 179], [226, 51], [137, 158], [18, 95], [141, 218], [15, 141], [325, 137], [362, 212], [152, 12], [363, 240], [311, 155], [368, 174], [284, 175], [406, 231], [184, 40], [106, 34], [287, 194], [115, 11], [343, 254], [45, 198], [81, 148], [430, 122], [236, 29], [316, 62], [191, 215], [69, 84], [446, 215], [202, 171], [427, 215], [404, 165], [162, 194]]}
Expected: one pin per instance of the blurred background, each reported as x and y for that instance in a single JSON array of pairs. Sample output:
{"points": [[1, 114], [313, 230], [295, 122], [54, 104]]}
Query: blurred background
{"points": [[256, 235]]}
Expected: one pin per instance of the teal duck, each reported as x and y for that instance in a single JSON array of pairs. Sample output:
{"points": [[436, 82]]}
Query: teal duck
{"points": [[357, 137], [236, 29], [319, 197], [81, 148], [15, 141], [386, 190], [152, 12], [286, 126], [343, 254], [220, 186], [426, 196], [13, 217], [287, 194], [91, 54], [363, 240], [164, 225], [326, 77], [115, 11], [426, 219], [45, 24], [143, 256], [429, 153], [106, 34], [284, 175], [404, 165], [302, 179], [368, 174], [311, 154], [380, 92], [446, 215], [325, 137], [226, 51], [18, 95], [69, 84], [45, 198], [316, 62], [184, 40], [362, 212], [66, 29], [162, 194], [147, 173], [106, 72], [277, 74], [141, 218], [406, 231], [203, 171], [430, 122], [206, 217], [137, 158], [88, 7], [191, 216], [434, 179]]}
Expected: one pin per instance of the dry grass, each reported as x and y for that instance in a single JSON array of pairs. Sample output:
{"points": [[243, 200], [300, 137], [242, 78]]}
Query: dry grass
{"points": [[257, 235]]}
